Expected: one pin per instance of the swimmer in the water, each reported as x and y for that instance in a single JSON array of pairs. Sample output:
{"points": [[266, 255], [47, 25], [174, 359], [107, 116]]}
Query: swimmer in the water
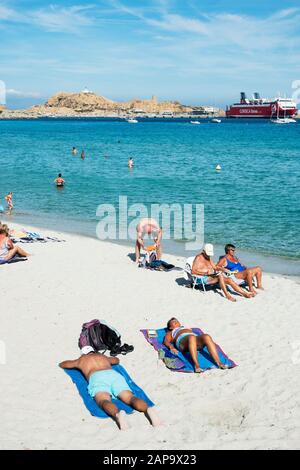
{"points": [[59, 181], [147, 226], [130, 163], [74, 151], [82, 155]]}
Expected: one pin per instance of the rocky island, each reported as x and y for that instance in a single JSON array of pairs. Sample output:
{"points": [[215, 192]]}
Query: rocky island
{"points": [[89, 104]]}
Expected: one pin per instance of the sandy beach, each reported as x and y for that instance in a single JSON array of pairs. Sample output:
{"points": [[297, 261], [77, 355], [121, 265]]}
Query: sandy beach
{"points": [[44, 302]]}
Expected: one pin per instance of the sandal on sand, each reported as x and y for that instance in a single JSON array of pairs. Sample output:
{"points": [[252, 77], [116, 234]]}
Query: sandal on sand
{"points": [[198, 370], [126, 348], [115, 350]]}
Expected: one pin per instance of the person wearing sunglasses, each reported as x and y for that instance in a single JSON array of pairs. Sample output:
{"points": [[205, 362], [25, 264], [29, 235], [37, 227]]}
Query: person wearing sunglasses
{"points": [[231, 264]]}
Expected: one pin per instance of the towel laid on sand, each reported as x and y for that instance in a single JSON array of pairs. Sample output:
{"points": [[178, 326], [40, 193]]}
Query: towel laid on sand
{"points": [[23, 236], [180, 362], [15, 259], [82, 384]]}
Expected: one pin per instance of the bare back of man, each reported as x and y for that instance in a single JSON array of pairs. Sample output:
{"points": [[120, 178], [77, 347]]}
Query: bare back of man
{"points": [[93, 363], [148, 226], [90, 363]]}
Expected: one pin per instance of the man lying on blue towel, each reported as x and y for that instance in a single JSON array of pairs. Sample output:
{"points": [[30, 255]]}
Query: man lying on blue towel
{"points": [[104, 383]]}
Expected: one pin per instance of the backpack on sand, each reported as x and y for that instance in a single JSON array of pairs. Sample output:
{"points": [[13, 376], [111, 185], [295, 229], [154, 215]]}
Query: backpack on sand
{"points": [[102, 337]]}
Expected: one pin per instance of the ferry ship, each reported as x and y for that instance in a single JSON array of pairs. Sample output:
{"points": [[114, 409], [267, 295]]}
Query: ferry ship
{"points": [[258, 107]]}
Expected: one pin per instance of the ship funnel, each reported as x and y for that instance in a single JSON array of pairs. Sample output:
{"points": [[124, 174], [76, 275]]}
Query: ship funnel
{"points": [[243, 96], [256, 96]]}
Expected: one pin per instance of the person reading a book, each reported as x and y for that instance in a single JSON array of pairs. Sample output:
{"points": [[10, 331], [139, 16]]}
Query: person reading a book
{"points": [[207, 273], [231, 264]]}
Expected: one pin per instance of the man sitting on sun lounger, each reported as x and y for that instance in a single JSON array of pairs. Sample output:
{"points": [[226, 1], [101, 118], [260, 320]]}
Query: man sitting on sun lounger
{"points": [[204, 268], [105, 383], [230, 263], [179, 338]]}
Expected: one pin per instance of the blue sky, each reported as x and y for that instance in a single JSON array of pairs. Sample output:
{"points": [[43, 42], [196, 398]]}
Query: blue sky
{"points": [[194, 51]]}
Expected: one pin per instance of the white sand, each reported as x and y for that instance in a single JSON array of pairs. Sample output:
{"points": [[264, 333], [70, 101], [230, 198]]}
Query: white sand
{"points": [[44, 302]]}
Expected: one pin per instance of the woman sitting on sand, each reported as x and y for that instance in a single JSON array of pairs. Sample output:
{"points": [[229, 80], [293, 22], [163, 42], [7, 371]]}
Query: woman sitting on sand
{"points": [[186, 340], [7, 248]]}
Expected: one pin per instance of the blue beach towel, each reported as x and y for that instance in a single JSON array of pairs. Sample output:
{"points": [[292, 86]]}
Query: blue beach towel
{"points": [[82, 384], [183, 362]]}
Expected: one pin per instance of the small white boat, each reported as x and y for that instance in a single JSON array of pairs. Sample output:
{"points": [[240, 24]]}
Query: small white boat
{"points": [[194, 122], [132, 121], [283, 120], [215, 120]]}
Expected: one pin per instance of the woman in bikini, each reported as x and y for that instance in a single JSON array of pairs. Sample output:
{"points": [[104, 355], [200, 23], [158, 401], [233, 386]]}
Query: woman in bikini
{"points": [[186, 340], [8, 199], [7, 248]]}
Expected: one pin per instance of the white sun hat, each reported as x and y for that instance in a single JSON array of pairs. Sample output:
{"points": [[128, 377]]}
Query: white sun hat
{"points": [[209, 249]]}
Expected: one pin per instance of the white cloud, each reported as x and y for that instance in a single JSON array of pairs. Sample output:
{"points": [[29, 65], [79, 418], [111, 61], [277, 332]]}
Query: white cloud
{"points": [[22, 94], [5, 13], [57, 19], [53, 18], [223, 29]]}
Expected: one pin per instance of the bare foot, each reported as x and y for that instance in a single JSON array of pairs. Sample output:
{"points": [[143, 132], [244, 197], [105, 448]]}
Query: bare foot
{"points": [[121, 420], [154, 419], [248, 295], [223, 366], [229, 297], [260, 288], [198, 370]]}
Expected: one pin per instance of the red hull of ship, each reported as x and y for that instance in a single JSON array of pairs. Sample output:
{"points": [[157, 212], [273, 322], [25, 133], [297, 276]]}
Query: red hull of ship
{"points": [[263, 111]]}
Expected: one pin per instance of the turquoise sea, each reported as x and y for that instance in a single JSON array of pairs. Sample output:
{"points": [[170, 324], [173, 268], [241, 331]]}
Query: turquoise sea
{"points": [[254, 202]]}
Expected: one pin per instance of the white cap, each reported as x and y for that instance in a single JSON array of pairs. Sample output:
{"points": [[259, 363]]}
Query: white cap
{"points": [[87, 350], [209, 249]]}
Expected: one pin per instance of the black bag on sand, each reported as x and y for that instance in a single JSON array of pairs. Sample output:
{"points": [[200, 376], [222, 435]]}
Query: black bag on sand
{"points": [[102, 337]]}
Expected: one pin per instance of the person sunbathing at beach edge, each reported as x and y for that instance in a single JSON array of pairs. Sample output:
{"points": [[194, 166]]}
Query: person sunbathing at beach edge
{"points": [[7, 249], [185, 340], [206, 269], [105, 383]]}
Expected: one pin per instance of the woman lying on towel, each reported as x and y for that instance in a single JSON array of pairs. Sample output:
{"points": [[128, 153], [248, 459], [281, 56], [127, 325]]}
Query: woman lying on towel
{"points": [[186, 340], [7, 249]]}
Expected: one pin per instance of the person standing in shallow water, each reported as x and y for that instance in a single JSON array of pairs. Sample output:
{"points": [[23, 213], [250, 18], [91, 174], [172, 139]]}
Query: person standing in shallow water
{"points": [[8, 199], [130, 163], [59, 181], [82, 155]]}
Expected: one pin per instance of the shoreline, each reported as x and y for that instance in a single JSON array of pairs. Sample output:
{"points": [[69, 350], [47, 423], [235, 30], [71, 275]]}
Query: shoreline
{"points": [[271, 264], [46, 300]]}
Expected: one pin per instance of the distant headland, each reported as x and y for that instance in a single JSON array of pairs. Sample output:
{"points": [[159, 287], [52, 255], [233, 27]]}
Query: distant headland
{"points": [[89, 104]]}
